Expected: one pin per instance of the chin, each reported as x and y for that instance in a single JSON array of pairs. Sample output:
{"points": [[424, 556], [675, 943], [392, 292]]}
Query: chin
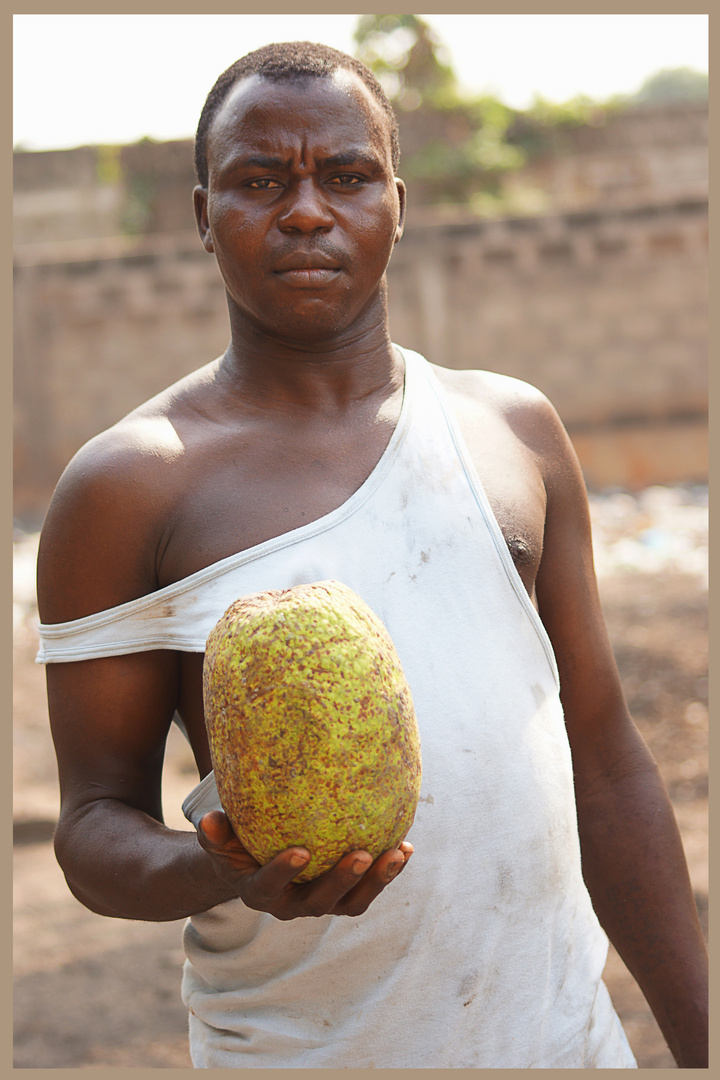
{"points": [[310, 327], [317, 322]]}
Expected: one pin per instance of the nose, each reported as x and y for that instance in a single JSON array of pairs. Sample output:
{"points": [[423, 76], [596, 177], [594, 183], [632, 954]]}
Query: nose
{"points": [[305, 209]]}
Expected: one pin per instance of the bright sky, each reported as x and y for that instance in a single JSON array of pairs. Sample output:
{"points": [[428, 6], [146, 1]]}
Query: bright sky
{"points": [[116, 78]]}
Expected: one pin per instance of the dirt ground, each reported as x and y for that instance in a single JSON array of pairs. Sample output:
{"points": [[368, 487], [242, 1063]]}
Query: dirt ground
{"points": [[91, 991]]}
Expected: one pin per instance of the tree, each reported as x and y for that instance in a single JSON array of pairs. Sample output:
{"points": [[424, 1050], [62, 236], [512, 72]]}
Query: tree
{"points": [[407, 57], [671, 85], [454, 147]]}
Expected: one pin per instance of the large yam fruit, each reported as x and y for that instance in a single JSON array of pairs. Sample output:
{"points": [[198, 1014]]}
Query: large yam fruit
{"points": [[311, 724]]}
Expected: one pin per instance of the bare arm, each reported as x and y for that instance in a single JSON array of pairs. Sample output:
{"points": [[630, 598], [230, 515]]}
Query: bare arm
{"points": [[110, 719], [633, 861]]}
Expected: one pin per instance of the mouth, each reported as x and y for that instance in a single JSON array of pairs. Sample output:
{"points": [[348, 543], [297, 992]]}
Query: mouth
{"points": [[308, 269], [309, 276]]}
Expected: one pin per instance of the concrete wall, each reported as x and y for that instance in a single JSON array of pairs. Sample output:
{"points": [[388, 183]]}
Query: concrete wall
{"points": [[103, 191], [99, 328], [642, 155], [606, 311]]}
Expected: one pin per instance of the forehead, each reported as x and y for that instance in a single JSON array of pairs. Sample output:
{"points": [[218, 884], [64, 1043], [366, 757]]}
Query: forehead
{"points": [[332, 113]]}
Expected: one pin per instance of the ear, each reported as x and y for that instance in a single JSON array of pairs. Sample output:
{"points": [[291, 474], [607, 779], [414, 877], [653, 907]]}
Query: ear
{"points": [[200, 200], [402, 197]]}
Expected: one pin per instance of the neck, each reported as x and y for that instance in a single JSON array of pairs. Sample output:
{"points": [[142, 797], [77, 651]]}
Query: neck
{"points": [[312, 370]]}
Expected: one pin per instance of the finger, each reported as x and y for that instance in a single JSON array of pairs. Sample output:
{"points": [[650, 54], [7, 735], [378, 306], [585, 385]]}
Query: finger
{"points": [[216, 827], [388, 865], [321, 896], [384, 870], [407, 849], [270, 884]]}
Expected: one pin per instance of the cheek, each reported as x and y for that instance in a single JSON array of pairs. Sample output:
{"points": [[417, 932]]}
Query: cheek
{"points": [[375, 229], [229, 224]]}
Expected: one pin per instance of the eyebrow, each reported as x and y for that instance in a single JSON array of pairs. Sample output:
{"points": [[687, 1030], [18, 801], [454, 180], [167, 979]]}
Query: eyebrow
{"points": [[335, 161], [260, 161], [351, 157]]}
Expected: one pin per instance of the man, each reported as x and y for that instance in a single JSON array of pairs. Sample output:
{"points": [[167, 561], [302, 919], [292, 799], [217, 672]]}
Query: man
{"points": [[453, 503]]}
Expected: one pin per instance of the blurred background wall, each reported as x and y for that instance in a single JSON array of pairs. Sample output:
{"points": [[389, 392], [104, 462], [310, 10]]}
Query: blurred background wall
{"points": [[564, 245]]}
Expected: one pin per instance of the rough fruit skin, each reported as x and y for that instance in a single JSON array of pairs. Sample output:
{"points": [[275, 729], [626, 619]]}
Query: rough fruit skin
{"points": [[312, 730]]}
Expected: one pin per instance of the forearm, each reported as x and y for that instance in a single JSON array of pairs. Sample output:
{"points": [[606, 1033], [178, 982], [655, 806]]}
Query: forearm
{"points": [[635, 870], [120, 862]]}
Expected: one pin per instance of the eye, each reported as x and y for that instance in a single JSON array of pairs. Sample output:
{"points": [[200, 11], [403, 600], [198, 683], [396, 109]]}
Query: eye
{"points": [[263, 183], [346, 180]]}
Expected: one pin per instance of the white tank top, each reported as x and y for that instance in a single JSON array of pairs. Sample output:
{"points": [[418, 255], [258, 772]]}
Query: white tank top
{"points": [[485, 952]]}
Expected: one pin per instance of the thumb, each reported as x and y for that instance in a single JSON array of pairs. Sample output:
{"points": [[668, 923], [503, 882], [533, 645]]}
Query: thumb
{"points": [[216, 827]]}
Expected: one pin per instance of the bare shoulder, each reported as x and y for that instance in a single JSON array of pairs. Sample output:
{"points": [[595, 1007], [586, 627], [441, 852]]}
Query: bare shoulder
{"points": [[478, 396], [111, 510], [132, 454], [489, 389]]}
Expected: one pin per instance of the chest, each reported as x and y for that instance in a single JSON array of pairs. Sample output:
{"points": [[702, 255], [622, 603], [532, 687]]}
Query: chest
{"points": [[243, 487], [511, 478], [246, 486]]}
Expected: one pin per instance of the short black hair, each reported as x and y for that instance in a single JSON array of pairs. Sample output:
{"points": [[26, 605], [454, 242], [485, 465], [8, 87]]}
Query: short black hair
{"points": [[288, 60]]}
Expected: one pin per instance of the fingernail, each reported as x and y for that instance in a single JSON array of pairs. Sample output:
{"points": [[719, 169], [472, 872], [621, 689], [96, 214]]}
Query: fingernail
{"points": [[393, 869], [297, 860], [360, 866]]}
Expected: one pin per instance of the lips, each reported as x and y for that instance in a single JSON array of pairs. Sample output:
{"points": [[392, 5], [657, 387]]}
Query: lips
{"points": [[309, 276], [308, 268]]}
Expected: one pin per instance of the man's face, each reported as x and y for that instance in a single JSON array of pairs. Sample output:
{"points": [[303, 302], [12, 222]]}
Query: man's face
{"points": [[302, 208]]}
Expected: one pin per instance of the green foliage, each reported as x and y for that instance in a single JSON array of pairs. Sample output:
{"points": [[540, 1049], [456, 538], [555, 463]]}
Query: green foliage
{"points": [[487, 111], [574, 113], [453, 172], [139, 200], [407, 57], [545, 127], [673, 84], [108, 166]]}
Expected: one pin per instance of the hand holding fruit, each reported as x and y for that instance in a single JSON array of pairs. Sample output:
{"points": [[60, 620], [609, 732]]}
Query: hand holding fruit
{"points": [[347, 889]]}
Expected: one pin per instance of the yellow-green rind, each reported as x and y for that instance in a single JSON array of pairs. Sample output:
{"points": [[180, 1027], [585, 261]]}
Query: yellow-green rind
{"points": [[312, 730]]}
